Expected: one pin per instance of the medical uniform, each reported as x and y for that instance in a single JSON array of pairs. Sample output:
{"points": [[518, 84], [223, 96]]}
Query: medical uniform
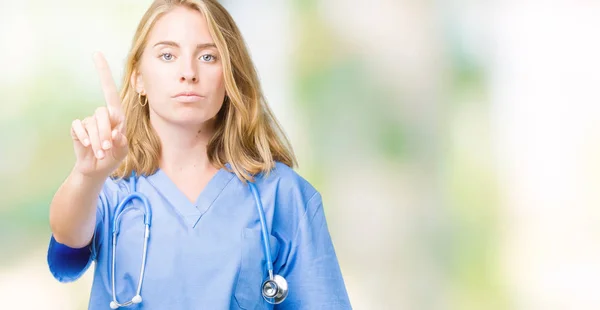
{"points": [[209, 254]]}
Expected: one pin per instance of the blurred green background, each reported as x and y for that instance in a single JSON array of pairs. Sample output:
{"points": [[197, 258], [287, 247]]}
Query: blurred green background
{"points": [[455, 142]]}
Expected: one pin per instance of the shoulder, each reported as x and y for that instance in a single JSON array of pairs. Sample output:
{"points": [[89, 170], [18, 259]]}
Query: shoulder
{"points": [[113, 190], [291, 200], [287, 181], [115, 186], [292, 196]]}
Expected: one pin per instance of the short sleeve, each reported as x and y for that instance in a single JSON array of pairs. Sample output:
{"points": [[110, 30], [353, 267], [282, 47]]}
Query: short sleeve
{"points": [[312, 270], [68, 264]]}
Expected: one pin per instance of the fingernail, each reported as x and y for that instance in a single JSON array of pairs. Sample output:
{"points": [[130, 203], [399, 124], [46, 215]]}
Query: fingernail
{"points": [[86, 142], [100, 154], [106, 144]]}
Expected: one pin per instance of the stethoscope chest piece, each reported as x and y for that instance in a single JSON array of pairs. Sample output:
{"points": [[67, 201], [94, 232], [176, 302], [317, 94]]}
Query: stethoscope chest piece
{"points": [[275, 290]]}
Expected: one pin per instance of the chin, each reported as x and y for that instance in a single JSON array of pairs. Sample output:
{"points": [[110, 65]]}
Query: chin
{"points": [[191, 118], [188, 115]]}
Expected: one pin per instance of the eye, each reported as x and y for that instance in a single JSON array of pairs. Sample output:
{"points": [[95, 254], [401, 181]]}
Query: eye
{"points": [[166, 56], [208, 57]]}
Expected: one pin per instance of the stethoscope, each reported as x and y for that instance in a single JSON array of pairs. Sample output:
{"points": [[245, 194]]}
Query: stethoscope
{"points": [[274, 288]]}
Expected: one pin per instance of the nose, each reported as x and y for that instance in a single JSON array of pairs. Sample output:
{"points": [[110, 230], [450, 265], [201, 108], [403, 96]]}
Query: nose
{"points": [[189, 72]]}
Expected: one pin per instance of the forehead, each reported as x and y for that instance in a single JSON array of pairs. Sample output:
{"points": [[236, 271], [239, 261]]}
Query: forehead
{"points": [[182, 25]]}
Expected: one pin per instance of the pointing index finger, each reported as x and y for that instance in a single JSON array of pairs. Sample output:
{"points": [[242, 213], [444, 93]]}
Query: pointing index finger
{"points": [[109, 88]]}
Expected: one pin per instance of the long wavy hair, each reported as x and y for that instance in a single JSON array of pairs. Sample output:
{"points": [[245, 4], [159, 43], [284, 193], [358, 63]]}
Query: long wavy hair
{"points": [[248, 137]]}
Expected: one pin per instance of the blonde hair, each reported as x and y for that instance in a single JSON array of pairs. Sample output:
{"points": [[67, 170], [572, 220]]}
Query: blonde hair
{"points": [[247, 137]]}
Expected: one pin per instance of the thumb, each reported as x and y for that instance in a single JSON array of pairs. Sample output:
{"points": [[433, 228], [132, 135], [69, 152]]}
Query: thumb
{"points": [[117, 120], [119, 140], [119, 150]]}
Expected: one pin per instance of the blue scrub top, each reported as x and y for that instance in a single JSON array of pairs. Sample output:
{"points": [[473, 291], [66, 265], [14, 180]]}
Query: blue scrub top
{"points": [[209, 254]]}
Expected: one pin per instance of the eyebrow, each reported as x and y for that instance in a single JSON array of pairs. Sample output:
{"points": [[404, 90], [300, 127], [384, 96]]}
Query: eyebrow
{"points": [[174, 44]]}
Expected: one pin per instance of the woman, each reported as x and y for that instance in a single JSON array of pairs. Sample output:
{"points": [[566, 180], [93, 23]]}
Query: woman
{"points": [[191, 132]]}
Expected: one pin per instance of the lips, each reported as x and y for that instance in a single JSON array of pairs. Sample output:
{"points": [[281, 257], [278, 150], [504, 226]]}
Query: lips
{"points": [[188, 97], [187, 94]]}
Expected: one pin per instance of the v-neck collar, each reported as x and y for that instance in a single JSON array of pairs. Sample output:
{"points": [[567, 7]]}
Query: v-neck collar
{"points": [[192, 212]]}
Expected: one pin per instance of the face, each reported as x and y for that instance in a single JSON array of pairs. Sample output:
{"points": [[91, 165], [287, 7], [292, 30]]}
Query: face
{"points": [[180, 71]]}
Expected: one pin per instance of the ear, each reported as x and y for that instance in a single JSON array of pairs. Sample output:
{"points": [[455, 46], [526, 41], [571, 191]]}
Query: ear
{"points": [[137, 82]]}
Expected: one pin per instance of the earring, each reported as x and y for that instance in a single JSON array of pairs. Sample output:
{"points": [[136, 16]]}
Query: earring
{"points": [[140, 100]]}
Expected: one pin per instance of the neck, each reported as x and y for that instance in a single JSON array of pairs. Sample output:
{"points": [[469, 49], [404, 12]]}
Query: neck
{"points": [[183, 149]]}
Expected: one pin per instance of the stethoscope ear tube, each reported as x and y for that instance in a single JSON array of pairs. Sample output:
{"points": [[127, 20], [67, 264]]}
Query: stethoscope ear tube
{"points": [[114, 304], [274, 289]]}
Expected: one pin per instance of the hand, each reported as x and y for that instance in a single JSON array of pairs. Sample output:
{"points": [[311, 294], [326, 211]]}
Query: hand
{"points": [[99, 140]]}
